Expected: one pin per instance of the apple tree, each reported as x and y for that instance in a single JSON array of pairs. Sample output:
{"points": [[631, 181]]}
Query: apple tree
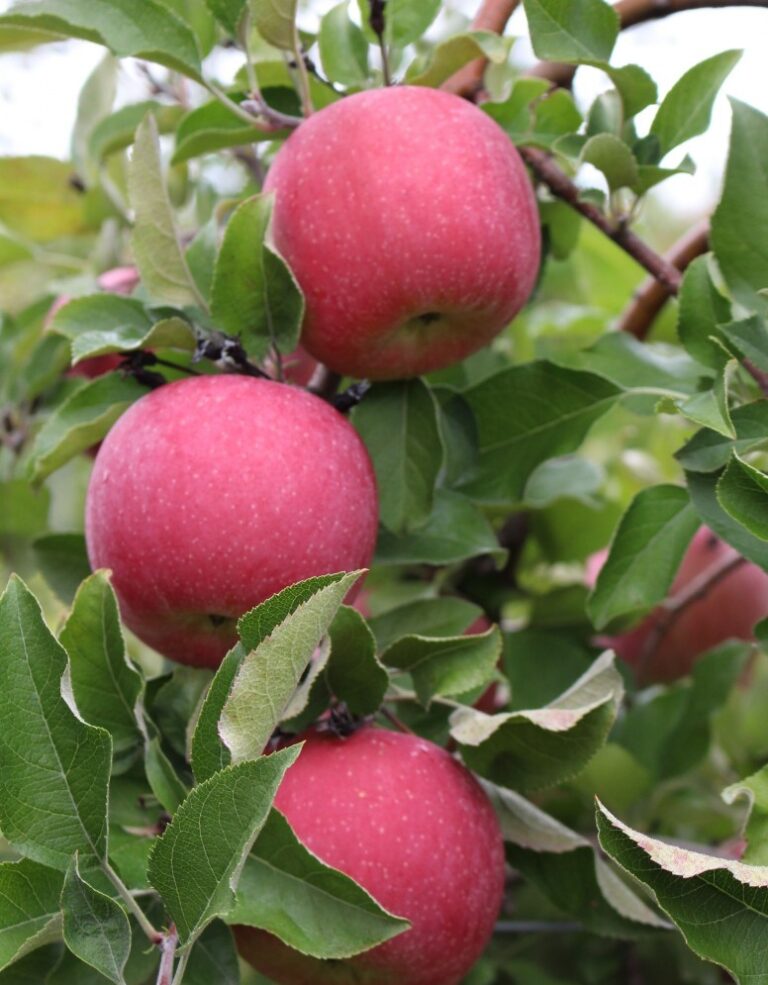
{"points": [[384, 506]]}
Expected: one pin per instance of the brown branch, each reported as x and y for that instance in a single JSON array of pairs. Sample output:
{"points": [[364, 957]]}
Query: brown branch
{"points": [[632, 12], [492, 16], [392, 718], [544, 167], [648, 300], [673, 608]]}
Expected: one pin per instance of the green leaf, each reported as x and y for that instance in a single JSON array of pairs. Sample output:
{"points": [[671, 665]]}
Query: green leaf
{"points": [[212, 127], [214, 958], [742, 491], [38, 199], [354, 674], [117, 131], [81, 421], [451, 55], [572, 30], [218, 822], [228, 12], [739, 231], [209, 754], [456, 530], [709, 451], [534, 115], [271, 670], [275, 20], [95, 927], [531, 749], [449, 666], [106, 687], [95, 102], [631, 364], [289, 892], [701, 311], [540, 665], [23, 509], [525, 415], [155, 240], [754, 789], [163, 778], [566, 868], [424, 617], [405, 21], [703, 489], [100, 323], [635, 86], [569, 477], [720, 906], [343, 47], [30, 912], [710, 408], [671, 732], [254, 293], [398, 422], [645, 554], [24, 38], [158, 35], [613, 158], [749, 336], [63, 561], [54, 768], [687, 107]]}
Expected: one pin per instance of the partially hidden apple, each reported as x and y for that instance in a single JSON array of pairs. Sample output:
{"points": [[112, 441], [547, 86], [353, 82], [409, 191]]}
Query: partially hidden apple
{"points": [[728, 610], [212, 493], [410, 824], [408, 218], [118, 280]]}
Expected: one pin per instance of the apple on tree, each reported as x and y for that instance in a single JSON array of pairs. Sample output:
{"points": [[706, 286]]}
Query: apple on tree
{"points": [[729, 609], [409, 823], [408, 219], [212, 493]]}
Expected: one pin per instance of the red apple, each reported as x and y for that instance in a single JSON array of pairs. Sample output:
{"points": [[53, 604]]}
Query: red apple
{"points": [[212, 493], [411, 825], [409, 221], [729, 610]]}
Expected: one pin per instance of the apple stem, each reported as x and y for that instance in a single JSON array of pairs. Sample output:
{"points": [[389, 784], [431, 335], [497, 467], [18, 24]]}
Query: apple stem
{"points": [[133, 907], [392, 718], [168, 953], [673, 608], [324, 382], [378, 24]]}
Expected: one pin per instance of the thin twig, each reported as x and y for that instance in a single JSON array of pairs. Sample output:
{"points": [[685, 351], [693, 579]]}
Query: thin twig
{"points": [[537, 927], [305, 93], [167, 956], [492, 16], [673, 608], [392, 718], [648, 300], [560, 184], [134, 909], [181, 967]]}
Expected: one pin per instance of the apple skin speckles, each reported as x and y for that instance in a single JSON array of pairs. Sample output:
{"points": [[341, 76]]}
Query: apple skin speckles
{"points": [[212, 493], [413, 827], [409, 221]]}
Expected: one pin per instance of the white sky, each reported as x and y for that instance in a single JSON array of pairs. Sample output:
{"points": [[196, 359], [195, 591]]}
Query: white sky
{"points": [[39, 89]]}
